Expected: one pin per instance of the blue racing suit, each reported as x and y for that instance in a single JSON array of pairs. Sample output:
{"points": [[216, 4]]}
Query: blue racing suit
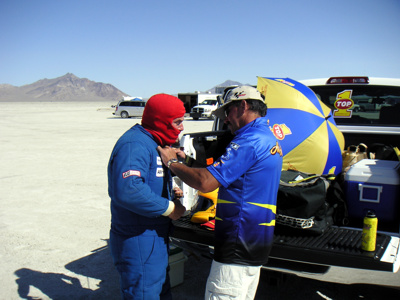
{"points": [[140, 190], [249, 174]]}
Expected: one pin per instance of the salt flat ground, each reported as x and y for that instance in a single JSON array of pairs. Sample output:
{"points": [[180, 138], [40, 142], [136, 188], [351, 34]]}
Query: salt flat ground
{"points": [[55, 218]]}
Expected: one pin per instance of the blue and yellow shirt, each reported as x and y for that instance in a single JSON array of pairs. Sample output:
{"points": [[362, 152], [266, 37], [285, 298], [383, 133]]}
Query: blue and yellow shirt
{"points": [[249, 172]]}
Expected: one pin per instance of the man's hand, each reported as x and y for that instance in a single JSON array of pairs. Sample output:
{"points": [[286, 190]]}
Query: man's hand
{"points": [[178, 211], [198, 178], [167, 153], [178, 193], [180, 153]]}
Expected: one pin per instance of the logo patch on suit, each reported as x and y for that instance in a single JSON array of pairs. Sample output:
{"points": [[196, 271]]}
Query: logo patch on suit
{"points": [[130, 173], [216, 164], [226, 155], [234, 146], [160, 172], [159, 161], [276, 149]]}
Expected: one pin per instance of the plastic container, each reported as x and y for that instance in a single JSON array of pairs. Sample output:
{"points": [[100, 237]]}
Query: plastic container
{"points": [[177, 265], [373, 184]]}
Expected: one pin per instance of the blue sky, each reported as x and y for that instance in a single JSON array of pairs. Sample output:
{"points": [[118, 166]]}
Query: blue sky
{"points": [[144, 47]]}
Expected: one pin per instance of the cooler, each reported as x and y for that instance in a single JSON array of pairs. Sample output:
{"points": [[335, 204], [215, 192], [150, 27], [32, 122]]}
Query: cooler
{"points": [[373, 184], [177, 265]]}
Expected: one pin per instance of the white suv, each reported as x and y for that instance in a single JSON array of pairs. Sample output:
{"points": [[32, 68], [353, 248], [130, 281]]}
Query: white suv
{"points": [[204, 109]]}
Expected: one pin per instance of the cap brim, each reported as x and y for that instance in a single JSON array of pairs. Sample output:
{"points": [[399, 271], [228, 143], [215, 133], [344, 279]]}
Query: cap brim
{"points": [[220, 111]]}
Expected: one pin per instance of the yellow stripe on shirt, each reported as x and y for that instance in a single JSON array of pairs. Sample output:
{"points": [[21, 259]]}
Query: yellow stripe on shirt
{"points": [[268, 206]]}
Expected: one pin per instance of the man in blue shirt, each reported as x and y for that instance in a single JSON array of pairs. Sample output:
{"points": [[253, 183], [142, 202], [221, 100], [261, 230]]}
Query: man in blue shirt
{"points": [[142, 200], [247, 176]]}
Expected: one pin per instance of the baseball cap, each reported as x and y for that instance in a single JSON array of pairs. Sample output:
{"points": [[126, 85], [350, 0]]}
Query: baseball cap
{"points": [[237, 94]]}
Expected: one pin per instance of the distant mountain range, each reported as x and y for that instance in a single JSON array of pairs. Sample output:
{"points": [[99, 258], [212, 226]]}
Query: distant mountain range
{"points": [[65, 88], [224, 84], [70, 88]]}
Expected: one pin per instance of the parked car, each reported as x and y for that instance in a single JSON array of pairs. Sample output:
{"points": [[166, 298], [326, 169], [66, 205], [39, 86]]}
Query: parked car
{"points": [[127, 109]]}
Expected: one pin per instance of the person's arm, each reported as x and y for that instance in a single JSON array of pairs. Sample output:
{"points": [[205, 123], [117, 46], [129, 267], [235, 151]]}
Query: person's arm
{"points": [[198, 178], [128, 187], [175, 210]]}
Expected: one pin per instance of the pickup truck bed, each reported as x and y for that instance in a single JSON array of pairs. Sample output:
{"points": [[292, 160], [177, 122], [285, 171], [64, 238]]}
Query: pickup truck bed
{"points": [[339, 246], [336, 247]]}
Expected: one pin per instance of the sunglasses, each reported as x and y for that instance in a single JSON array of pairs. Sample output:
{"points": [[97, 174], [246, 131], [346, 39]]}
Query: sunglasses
{"points": [[228, 109]]}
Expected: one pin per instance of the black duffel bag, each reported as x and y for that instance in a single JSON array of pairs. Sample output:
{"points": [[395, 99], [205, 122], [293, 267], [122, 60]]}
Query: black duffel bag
{"points": [[301, 205]]}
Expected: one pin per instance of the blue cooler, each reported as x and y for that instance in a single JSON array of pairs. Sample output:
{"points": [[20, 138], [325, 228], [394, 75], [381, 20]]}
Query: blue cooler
{"points": [[373, 184]]}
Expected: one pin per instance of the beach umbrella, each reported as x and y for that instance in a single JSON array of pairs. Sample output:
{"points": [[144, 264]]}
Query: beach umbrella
{"points": [[304, 125]]}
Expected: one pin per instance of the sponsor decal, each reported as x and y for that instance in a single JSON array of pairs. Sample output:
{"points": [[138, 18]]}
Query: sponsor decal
{"points": [[130, 173], [226, 155], [285, 82], [234, 146], [263, 90], [280, 131], [159, 161], [216, 164], [237, 95], [277, 149], [289, 166], [344, 104], [160, 172]]}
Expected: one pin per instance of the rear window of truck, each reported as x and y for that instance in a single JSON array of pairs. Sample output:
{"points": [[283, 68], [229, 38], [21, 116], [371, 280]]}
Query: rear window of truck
{"points": [[362, 104]]}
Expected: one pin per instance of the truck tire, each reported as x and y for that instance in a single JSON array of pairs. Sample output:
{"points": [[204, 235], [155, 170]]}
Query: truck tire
{"points": [[124, 114]]}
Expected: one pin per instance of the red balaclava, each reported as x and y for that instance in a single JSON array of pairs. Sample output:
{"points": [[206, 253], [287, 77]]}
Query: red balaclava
{"points": [[159, 112]]}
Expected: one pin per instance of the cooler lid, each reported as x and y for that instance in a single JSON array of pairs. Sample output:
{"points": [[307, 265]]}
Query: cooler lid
{"points": [[375, 171]]}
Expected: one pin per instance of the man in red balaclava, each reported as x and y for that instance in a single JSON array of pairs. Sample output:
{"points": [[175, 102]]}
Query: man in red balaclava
{"points": [[158, 118], [142, 201]]}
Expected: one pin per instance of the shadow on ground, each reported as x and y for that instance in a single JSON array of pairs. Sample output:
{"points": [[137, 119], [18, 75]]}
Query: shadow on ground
{"points": [[98, 265]]}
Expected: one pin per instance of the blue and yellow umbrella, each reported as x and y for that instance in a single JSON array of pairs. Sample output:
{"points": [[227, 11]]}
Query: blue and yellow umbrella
{"points": [[310, 139]]}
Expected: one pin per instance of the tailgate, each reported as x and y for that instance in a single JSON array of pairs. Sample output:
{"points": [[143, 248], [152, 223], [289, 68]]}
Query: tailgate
{"points": [[336, 247]]}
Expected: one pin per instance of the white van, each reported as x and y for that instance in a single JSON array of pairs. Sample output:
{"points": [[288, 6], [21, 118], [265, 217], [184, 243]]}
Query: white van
{"points": [[127, 109]]}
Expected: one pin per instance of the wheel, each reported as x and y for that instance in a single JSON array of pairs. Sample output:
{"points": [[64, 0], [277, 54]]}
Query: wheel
{"points": [[124, 114]]}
